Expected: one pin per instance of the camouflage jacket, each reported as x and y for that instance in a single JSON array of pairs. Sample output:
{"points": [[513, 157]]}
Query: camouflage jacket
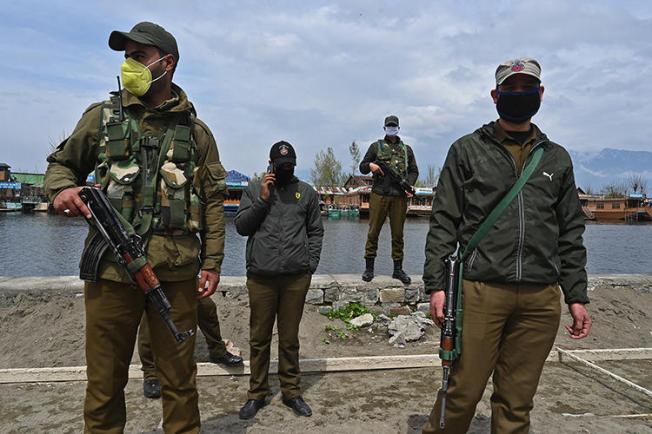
{"points": [[174, 258]]}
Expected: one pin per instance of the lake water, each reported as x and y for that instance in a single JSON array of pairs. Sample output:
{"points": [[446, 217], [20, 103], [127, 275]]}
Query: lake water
{"points": [[48, 245]]}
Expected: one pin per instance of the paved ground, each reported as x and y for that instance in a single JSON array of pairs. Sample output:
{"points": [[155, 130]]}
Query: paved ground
{"points": [[571, 399]]}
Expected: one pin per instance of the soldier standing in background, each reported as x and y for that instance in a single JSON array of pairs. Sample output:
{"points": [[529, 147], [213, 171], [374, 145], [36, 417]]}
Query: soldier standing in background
{"points": [[387, 198]]}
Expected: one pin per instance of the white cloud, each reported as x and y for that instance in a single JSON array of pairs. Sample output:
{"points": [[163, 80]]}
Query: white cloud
{"points": [[322, 74]]}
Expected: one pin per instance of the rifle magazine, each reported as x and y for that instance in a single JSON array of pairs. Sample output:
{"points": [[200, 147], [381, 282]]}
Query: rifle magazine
{"points": [[89, 266]]}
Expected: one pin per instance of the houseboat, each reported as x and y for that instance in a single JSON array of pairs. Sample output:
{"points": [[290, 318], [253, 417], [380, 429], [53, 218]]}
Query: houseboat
{"points": [[356, 194], [631, 208]]}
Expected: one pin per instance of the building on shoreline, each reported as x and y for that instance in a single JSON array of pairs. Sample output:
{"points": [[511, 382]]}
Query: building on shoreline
{"points": [[634, 207]]}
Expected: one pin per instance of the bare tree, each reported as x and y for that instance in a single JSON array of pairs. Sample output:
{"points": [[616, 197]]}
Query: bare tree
{"points": [[354, 150], [637, 183], [615, 189]]}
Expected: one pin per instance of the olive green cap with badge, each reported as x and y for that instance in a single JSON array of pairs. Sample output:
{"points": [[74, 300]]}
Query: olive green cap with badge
{"points": [[391, 120], [525, 65], [148, 34]]}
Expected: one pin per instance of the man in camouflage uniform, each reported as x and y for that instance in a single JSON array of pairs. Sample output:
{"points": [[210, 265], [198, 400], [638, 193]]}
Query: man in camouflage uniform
{"points": [[387, 198], [160, 168]]}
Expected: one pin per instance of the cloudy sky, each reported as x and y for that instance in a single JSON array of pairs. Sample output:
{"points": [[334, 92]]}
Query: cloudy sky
{"points": [[322, 74]]}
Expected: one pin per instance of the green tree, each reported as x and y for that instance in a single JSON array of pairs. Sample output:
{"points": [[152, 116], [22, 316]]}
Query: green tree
{"points": [[327, 170], [354, 150]]}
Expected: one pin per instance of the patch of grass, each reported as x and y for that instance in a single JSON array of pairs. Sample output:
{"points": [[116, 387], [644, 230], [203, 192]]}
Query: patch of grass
{"points": [[337, 332], [348, 312], [351, 327]]}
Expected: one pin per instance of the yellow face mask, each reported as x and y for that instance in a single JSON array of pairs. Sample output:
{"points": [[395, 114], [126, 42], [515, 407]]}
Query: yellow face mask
{"points": [[136, 77]]}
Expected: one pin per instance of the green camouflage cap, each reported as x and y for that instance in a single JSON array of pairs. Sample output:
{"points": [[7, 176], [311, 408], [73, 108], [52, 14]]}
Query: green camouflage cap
{"points": [[146, 33], [525, 65], [391, 120]]}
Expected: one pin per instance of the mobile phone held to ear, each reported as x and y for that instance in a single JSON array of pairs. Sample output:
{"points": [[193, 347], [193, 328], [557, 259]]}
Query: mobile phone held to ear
{"points": [[270, 168]]}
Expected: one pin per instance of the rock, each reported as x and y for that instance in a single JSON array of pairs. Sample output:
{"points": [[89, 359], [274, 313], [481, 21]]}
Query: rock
{"points": [[411, 295], [408, 326], [398, 340], [384, 319], [315, 296], [363, 320], [401, 310], [337, 305], [331, 294], [325, 309], [392, 295], [423, 307], [351, 295], [371, 296]]}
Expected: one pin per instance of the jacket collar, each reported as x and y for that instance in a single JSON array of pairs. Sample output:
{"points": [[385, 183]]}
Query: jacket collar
{"points": [[494, 132], [179, 102]]}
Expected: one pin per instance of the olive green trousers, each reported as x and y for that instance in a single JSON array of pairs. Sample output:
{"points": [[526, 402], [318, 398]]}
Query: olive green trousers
{"points": [[208, 323], [113, 312], [381, 207], [509, 330], [277, 298]]}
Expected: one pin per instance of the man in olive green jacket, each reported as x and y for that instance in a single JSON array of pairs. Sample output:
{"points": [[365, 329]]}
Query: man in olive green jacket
{"points": [[157, 113], [512, 279]]}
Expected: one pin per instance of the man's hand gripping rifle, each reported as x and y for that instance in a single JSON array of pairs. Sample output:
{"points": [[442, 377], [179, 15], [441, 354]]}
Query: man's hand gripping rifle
{"points": [[451, 330], [395, 177], [129, 252]]}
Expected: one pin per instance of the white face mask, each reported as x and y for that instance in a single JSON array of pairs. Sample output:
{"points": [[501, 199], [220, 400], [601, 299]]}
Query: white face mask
{"points": [[391, 131]]}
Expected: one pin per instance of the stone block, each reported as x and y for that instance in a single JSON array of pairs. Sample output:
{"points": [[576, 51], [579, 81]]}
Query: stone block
{"points": [[423, 307], [332, 293], [400, 310], [315, 296], [392, 295]]}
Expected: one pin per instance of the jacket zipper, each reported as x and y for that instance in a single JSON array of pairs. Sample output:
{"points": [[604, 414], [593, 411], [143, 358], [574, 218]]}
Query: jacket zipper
{"points": [[521, 219], [521, 206]]}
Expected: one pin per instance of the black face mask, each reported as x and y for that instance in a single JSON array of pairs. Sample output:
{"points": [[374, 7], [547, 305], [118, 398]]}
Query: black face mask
{"points": [[518, 107], [284, 175]]}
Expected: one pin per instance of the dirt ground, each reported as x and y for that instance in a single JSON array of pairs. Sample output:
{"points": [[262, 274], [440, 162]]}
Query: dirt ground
{"points": [[570, 400], [47, 330], [44, 330]]}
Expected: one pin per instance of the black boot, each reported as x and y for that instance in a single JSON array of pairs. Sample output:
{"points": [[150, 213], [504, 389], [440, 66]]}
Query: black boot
{"points": [[152, 388], [400, 274], [368, 274]]}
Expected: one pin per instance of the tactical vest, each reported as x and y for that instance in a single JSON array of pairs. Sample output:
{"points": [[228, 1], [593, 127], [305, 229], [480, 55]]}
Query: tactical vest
{"points": [[151, 180], [395, 156]]}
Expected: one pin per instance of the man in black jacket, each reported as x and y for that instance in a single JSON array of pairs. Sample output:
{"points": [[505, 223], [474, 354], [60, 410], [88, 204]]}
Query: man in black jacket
{"points": [[512, 279], [388, 198], [282, 220]]}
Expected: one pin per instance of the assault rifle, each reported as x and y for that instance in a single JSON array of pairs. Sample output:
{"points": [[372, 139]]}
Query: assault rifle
{"points": [[395, 177], [451, 330], [128, 250]]}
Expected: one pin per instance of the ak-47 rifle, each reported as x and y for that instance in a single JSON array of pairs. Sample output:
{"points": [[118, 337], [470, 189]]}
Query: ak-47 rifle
{"points": [[128, 249], [395, 177], [451, 330]]}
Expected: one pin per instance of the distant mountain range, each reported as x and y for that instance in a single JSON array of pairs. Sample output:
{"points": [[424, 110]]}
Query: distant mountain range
{"points": [[611, 166]]}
